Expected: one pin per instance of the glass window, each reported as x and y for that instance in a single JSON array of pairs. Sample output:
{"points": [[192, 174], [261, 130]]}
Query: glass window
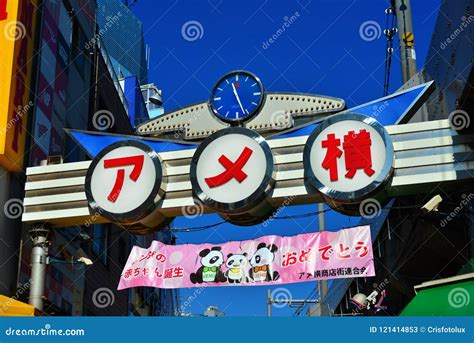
{"points": [[100, 238], [78, 46]]}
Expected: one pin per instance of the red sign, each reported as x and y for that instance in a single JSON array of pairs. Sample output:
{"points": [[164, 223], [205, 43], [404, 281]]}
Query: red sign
{"points": [[135, 161], [3, 10], [233, 169], [357, 154]]}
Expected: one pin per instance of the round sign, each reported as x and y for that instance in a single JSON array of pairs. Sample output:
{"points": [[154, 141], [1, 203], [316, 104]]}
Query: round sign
{"points": [[347, 157], [232, 169], [123, 182]]}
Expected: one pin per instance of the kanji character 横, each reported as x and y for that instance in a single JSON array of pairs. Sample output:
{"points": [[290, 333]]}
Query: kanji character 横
{"points": [[357, 153], [342, 251], [326, 252], [332, 154], [361, 246]]}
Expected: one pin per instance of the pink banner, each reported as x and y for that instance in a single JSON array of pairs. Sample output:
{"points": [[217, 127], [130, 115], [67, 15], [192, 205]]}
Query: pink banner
{"points": [[267, 260]]}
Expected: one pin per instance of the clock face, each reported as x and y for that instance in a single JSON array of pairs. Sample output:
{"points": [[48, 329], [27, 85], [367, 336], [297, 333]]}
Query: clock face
{"points": [[237, 96]]}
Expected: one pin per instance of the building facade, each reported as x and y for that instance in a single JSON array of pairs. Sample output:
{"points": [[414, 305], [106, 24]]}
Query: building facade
{"points": [[127, 51], [70, 82], [424, 258]]}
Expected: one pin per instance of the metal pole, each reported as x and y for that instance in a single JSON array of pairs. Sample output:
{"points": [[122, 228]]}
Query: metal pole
{"points": [[405, 38], [322, 284], [39, 259], [269, 303]]}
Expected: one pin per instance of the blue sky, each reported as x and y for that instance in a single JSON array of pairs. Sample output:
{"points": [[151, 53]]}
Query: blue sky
{"points": [[321, 51]]}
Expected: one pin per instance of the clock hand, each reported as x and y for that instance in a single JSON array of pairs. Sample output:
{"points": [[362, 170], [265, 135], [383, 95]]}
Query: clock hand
{"points": [[238, 99]]}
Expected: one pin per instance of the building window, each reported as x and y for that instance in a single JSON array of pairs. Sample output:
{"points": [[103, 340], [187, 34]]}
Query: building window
{"points": [[100, 240]]}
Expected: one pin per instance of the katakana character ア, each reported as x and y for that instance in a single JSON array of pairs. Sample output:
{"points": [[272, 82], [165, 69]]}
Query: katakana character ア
{"points": [[342, 250], [325, 252], [332, 154], [361, 246], [357, 153]]}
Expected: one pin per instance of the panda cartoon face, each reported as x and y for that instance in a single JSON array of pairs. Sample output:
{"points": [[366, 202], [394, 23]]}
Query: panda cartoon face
{"points": [[236, 261], [213, 258], [210, 270], [263, 256], [261, 263]]}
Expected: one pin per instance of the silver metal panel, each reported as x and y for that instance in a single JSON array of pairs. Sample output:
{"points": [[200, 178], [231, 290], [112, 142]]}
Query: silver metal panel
{"points": [[197, 121], [55, 193]]}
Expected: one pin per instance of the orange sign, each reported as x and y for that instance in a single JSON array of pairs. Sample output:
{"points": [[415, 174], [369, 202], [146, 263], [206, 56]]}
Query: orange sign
{"points": [[17, 27]]}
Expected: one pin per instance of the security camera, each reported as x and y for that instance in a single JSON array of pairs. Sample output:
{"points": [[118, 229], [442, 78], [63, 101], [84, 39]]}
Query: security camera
{"points": [[432, 205]]}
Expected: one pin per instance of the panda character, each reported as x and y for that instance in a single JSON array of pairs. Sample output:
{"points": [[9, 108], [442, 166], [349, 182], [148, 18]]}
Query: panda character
{"points": [[210, 271], [236, 265], [261, 261]]}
